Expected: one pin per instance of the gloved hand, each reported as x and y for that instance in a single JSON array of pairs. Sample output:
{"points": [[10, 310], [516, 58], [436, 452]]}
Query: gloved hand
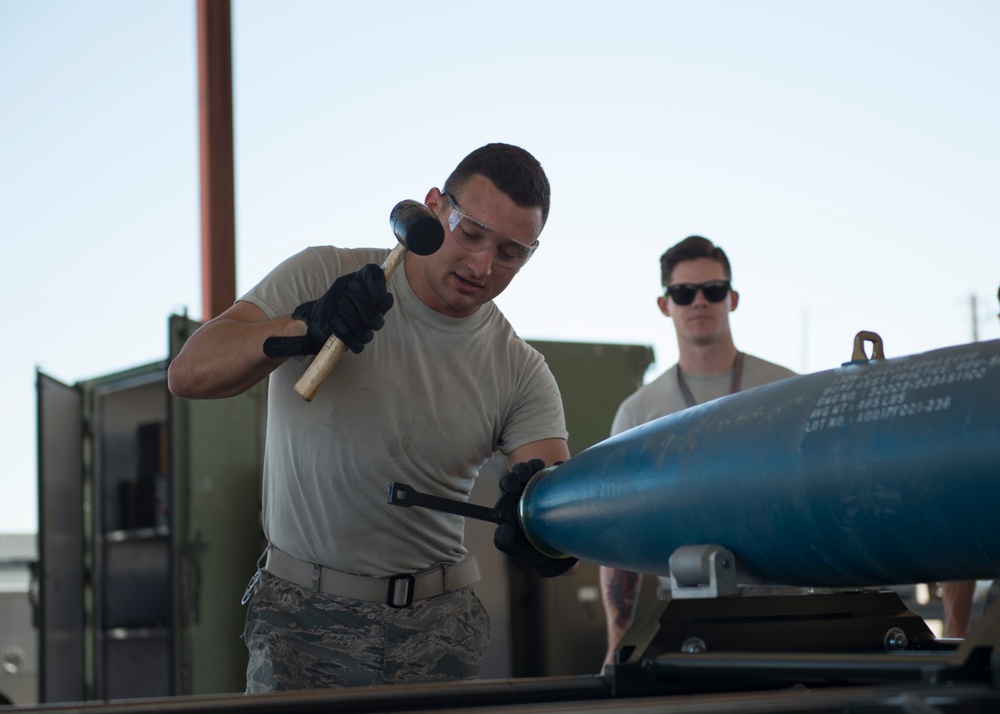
{"points": [[352, 309], [509, 536]]}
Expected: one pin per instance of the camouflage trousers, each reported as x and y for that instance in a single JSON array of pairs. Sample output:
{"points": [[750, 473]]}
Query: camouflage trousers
{"points": [[299, 638]]}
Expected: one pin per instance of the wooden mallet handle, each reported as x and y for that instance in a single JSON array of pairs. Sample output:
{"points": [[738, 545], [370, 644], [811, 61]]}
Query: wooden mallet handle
{"points": [[418, 230]]}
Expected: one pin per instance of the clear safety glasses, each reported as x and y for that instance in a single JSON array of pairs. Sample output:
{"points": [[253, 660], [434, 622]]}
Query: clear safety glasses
{"points": [[476, 237]]}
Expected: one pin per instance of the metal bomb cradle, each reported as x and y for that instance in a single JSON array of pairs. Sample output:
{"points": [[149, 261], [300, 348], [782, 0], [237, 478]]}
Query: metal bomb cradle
{"points": [[880, 472]]}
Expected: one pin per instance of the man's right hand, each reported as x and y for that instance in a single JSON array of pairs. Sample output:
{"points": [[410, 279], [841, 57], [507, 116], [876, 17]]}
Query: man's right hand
{"points": [[352, 309]]}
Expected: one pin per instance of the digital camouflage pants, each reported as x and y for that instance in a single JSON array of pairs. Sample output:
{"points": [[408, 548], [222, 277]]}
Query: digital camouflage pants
{"points": [[303, 639]]}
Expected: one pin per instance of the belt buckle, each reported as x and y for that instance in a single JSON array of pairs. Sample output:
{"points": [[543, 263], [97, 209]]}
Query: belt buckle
{"points": [[391, 594]]}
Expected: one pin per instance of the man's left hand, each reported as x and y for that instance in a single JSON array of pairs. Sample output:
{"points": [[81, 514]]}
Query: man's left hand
{"points": [[509, 536]]}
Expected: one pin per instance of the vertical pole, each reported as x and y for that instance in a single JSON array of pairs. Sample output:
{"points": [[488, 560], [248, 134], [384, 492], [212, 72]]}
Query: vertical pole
{"points": [[215, 101], [805, 341], [975, 319]]}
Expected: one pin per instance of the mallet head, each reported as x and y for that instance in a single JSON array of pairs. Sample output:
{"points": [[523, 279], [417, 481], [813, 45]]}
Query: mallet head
{"points": [[416, 227]]}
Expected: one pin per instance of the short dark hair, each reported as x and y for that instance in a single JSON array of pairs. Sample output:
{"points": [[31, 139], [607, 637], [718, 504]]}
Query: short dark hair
{"points": [[511, 169], [692, 248]]}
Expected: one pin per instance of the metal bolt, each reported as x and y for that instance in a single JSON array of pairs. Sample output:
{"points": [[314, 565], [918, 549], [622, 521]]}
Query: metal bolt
{"points": [[13, 659], [896, 639], [694, 645]]}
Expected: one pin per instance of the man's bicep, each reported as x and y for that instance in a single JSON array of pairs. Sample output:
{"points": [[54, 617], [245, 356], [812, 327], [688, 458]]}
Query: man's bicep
{"points": [[243, 311]]}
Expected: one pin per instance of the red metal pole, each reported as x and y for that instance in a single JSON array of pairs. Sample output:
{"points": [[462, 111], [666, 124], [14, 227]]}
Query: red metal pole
{"points": [[218, 213]]}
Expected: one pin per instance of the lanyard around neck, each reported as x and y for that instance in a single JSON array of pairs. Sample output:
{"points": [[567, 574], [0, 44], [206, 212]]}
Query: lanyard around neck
{"points": [[733, 388]]}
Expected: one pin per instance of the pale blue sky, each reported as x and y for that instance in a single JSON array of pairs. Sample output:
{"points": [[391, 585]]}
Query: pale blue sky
{"points": [[845, 153]]}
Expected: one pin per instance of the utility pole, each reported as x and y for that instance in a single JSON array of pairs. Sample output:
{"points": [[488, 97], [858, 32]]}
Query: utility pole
{"points": [[975, 319], [805, 340]]}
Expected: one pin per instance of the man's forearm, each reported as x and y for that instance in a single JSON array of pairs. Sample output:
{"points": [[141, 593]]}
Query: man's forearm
{"points": [[225, 357], [620, 589]]}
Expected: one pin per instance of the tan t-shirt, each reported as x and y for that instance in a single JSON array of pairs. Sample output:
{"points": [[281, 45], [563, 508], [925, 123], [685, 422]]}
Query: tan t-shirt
{"points": [[663, 396], [426, 403]]}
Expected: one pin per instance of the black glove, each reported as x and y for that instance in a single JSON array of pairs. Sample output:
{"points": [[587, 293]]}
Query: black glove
{"points": [[509, 536], [352, 309]]}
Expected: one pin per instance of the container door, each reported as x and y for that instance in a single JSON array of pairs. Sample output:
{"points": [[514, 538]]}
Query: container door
{"points": [[61, 541], [218, 453]]}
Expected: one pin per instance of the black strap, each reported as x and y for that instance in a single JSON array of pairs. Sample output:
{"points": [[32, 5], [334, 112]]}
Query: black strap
{"points": [[733, 387], [284, 346]]}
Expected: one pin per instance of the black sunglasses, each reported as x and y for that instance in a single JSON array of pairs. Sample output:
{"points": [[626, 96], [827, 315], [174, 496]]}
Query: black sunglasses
{"points": [[685, 293]]}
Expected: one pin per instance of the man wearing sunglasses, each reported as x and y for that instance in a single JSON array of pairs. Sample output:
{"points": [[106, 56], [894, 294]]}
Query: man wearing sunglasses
{"points": [[352, 591], [698, 297]]}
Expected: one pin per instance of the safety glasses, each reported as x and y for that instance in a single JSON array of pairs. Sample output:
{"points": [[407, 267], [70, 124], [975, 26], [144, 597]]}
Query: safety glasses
{"points": [[685, 293], [475, 237]]}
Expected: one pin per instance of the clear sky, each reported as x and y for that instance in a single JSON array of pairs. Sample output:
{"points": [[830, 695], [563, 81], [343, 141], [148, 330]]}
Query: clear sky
{"points": [[845, 153]]}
